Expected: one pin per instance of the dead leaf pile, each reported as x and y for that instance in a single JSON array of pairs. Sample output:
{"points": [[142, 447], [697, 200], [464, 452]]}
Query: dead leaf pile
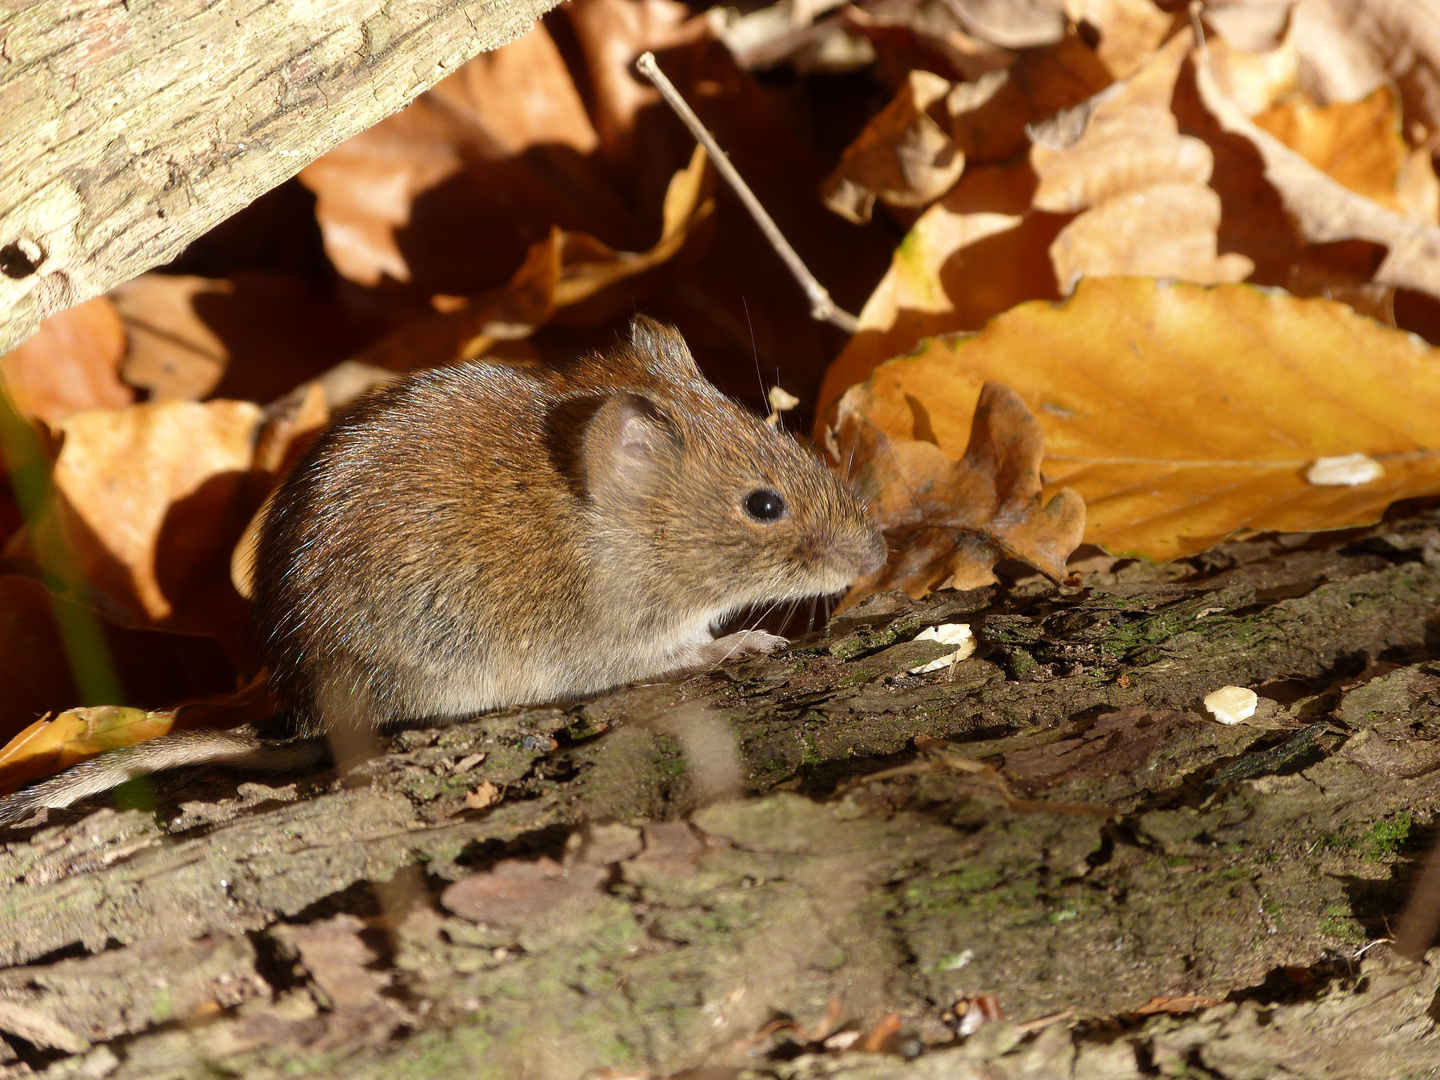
{"points": [[1286, 145]]}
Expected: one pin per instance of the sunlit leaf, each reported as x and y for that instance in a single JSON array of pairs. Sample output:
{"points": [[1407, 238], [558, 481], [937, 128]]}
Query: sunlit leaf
{"points": [[1184, 414]]}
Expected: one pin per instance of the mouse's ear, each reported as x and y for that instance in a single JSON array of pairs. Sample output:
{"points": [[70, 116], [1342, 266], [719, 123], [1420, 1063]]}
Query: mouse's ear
{"points": [[661, 348], [628, 444]]}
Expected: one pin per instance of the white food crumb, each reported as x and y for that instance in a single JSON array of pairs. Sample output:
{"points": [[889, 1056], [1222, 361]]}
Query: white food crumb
{"points": [[1348, 470], [946, 634], [780, 401], [1232, 704]]}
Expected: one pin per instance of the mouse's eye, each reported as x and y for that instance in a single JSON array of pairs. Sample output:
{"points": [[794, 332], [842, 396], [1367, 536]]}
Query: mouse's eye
{"points": [[764, 504]]}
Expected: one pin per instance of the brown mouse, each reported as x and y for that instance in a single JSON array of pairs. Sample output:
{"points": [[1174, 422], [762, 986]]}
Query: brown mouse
{"points": [[481, 536]]}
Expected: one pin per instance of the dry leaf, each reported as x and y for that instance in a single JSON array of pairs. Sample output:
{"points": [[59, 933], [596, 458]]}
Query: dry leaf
{"points": [[43, 636], [250, 336], [70, 363], [515, 891], [1184, 414], [1349, 47], [566, 270], [1256, 77], [975, 253], [150, 498], [612, 35], [1012, 24], [1129, 30], [482, 797], [50, 746], [910, 36], [173, 352], [466, 134], [1141, 185], [339, 961], [903, 157], [1359, 145], [948, 522], [1324, 210]]}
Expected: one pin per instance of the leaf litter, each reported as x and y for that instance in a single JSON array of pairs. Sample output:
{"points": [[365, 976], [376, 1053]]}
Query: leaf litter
{"points": [[1019, 381]]}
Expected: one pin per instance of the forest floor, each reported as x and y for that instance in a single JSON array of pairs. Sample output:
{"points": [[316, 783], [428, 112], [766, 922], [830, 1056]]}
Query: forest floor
{"points": [[779, 870]]}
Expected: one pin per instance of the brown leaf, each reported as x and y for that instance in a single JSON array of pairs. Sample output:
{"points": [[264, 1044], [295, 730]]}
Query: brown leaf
{"points": [[1141, 185], [250, 336], [338, 960], [564, 271], [903, 157], [482, 797], [398, 201], [948, 522], [150, 498], [71, 363]]}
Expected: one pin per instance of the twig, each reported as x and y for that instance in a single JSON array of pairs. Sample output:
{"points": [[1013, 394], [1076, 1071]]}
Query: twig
{"points": [[821, 306]]}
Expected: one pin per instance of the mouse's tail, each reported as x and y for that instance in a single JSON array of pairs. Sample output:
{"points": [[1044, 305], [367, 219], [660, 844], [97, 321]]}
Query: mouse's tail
{"points": [[240, 747]]}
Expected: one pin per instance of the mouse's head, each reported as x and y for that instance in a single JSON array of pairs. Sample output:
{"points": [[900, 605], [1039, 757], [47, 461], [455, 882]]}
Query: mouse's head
{"points": [[701, 503]]}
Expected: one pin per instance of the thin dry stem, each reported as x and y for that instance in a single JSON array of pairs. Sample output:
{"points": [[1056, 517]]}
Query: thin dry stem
{"points": [[821, 306]]}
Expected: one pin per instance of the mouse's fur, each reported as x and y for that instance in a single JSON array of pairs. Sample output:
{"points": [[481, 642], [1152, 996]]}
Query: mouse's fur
{"points": [[481, 536]]}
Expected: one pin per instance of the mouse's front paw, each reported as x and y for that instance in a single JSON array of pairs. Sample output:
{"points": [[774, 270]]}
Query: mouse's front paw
{"points": [[740, 645]]}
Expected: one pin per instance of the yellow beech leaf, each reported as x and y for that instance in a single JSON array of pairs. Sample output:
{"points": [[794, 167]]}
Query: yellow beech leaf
{"points": [[51, 745], [1183, 414]]}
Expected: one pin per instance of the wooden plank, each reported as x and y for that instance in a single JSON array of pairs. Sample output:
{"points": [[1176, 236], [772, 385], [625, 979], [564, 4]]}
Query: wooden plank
{"points": [[127, 129]]}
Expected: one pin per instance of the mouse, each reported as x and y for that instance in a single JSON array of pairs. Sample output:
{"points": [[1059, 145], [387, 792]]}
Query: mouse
{"points": [[485, 535]]}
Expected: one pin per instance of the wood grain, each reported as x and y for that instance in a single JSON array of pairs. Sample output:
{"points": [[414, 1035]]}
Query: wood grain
{"points": [[127, 129]]}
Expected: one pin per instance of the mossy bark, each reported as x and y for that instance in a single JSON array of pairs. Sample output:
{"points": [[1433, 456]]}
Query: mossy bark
{"points": [[677, 865]]}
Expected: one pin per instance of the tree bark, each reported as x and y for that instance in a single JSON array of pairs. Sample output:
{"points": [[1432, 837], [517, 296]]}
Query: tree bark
{"points": [[127, 129], [553, 891]]}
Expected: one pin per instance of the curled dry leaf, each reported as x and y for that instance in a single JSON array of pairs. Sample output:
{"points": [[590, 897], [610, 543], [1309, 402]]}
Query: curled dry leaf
{"points": [[946, 522], [1184, 414], [903, 157], [70, 363], [1139, 185]]}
